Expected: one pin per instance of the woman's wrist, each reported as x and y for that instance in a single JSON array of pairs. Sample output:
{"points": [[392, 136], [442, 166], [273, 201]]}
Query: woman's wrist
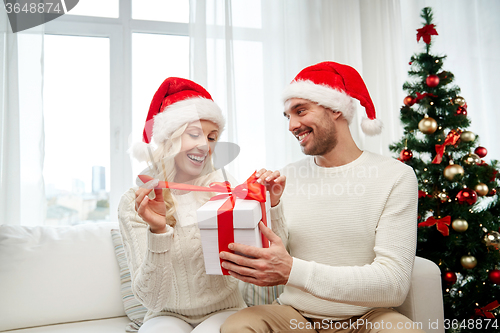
{"points": [[158, 230]]}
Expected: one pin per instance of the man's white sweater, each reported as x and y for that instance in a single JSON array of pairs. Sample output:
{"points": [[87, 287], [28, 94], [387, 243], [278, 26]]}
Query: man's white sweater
{"points": [[351, 233]]}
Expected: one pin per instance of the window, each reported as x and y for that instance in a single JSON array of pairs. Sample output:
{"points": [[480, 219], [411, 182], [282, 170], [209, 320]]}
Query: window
{"points": [[103, 63]]}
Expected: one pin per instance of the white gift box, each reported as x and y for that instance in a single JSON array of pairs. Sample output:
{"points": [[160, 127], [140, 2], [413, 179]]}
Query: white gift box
{"points": [[246, 217]]}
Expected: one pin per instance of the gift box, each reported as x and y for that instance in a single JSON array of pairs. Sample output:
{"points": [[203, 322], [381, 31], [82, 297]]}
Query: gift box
{"points": [[220, 224]]}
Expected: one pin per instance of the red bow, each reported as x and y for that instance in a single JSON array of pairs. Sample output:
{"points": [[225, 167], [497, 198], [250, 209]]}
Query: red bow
{"points": [[484, 311], [422, 194], [422, 96], [249, 190], [441, 224], [451, 139], [426, 33]]}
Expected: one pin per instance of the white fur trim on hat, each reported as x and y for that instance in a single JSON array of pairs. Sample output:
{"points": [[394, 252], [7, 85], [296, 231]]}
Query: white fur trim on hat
{"points": [[186, 111], [323, 95], [371, 126]]}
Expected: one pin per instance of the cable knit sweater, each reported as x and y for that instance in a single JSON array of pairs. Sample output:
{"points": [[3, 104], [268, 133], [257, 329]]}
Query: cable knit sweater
{"points": [[168, 272], [351, 233]]}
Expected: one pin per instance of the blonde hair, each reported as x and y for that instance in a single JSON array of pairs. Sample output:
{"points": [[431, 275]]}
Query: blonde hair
{"points": [[164, 157]]}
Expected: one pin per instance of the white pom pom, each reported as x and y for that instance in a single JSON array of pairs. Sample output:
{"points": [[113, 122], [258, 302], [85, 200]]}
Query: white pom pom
{"points": [[139, 151], [371, 126]]}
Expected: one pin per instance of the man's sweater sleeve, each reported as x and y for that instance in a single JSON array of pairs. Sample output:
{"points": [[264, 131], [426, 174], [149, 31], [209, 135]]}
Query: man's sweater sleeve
{"points": [[278, 223], [148, 255], [386, 281]]}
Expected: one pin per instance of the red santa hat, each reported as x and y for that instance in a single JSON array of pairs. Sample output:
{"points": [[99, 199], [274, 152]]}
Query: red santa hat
{"points": [[333, 86], [177, 102]]}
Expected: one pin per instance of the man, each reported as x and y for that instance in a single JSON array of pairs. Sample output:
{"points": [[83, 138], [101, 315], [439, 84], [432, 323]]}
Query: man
{"points": [[350, 221]]}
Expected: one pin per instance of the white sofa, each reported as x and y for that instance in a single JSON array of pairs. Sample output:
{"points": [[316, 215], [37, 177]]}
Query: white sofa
{"points": [[66, 279]]}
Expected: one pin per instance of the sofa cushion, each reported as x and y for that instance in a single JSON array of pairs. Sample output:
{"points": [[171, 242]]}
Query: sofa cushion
{"points": [[133, 308], [58, 274]]}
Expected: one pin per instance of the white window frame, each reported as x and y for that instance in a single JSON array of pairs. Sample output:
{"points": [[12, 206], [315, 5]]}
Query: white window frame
{"points": [[119, 31]]}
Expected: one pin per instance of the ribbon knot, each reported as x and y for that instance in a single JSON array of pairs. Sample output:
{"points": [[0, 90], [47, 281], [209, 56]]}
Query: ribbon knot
{"points": [[441, 224], [451, 139], [485, 311]]}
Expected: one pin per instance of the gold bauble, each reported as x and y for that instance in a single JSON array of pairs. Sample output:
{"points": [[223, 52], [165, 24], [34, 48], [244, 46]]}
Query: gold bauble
{"points": [[492, 239], [427, 125], [459, 225], [471, 159], [467, 136], [468, 262], [459, 100], [481, 189], [452, 170]]}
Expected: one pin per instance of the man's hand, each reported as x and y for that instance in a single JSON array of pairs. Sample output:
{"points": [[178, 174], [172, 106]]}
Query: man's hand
{"points": [[274, 182], [268, 267]]}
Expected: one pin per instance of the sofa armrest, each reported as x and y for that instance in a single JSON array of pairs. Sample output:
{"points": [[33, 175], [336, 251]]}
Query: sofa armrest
{"points": [[424, 303]]}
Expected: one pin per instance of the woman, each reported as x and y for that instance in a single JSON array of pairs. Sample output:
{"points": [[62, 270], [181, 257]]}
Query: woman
{"points": [[160, 235]]}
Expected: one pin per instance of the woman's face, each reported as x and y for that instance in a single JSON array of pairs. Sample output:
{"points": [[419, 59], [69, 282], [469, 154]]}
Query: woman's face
{"points": [[197, 143]]}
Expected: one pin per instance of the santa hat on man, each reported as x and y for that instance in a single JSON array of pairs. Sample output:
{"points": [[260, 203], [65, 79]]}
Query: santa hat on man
{"points": [[335, 86], [177, 102]]}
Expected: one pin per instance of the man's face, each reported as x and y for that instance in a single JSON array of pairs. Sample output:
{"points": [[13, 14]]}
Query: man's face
{"points": [[312, 125]]}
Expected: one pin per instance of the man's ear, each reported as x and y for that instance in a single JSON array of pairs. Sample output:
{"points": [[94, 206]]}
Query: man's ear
{"points": [[337, 115]]}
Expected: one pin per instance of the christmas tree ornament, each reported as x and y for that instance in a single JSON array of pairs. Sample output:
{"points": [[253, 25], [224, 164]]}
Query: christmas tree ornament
{"points": [[481, 189], [467, 136], [405, 155], [442, 196], [468, 262], [481, 151], [450, 277], [459, 225], [461, 111], [459, 100], [427, 125], [467, 196], [452, 170], [494, 276], [409, 101], [471, 159], [432, 80], [492, 239], [492, 192]]}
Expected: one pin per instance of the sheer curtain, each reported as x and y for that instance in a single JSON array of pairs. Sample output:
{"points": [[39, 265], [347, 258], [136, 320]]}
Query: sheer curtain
{"points": [[245, 52], [246, 65], [22, 198]]}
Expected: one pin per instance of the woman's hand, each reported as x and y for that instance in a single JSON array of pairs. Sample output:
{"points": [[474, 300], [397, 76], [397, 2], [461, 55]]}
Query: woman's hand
{"points": [[152, 211], [274, 182]]}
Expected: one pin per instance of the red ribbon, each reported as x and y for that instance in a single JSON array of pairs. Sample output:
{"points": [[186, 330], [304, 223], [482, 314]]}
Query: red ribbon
{"points": [[484, 311], [249, 190], [451, 139], [422, 194], [426, 33], [441, 224], [422, 96]]}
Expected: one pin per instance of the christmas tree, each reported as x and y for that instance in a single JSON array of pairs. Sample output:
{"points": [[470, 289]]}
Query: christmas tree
{"points": [[459, 207]]}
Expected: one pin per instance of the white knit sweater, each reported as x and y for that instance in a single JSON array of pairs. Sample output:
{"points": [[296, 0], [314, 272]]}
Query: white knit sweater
{"points": [[351, 233], [167, 270]]}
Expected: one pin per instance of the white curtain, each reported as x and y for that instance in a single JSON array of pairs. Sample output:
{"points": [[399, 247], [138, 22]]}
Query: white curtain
{"points": [[22, 198], [246, 51]]}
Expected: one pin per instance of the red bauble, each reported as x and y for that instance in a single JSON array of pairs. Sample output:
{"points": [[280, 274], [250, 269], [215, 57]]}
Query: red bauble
{"points": [[461, 111], [405, 155], [450, 277], [491, 193], [467, 196], [409, 101], [494, 276], [481, 151], [432, 80]]}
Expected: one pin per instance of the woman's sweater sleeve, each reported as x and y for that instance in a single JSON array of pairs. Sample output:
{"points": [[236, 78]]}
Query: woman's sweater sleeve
{"points": [[148, 255]]}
